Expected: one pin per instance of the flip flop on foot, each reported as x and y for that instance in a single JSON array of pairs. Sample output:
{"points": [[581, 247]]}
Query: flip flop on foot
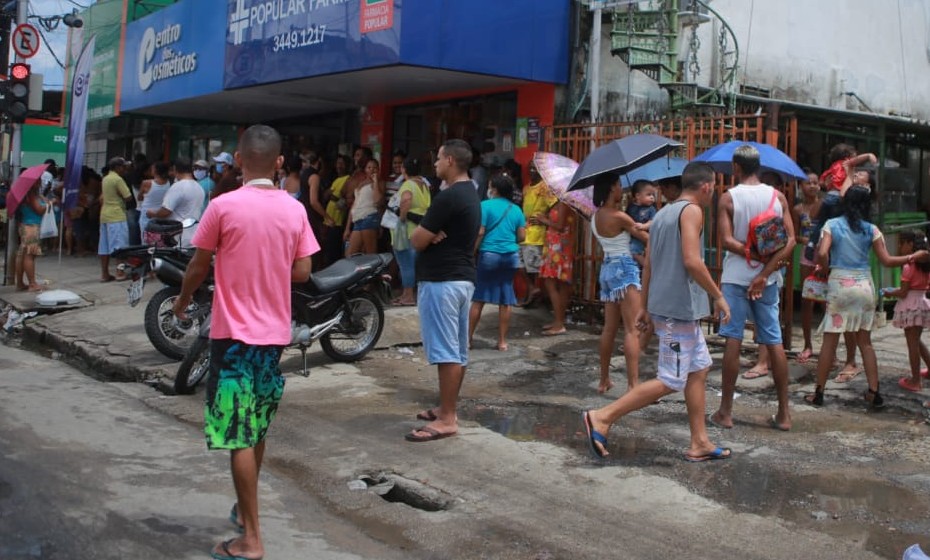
{"points": [[773, 423], [713, 422], [755, 373], [925, 373], [502, 347], [432, 434], [427, 415], [555, 333], [847, 375], [907, 384], [225, 554], [594, 437], [805, 356], [234, 518], [715, 455]]}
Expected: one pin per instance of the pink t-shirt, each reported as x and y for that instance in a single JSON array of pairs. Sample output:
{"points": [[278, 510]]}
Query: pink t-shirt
{"points": [[917, 278], [257, 234]]}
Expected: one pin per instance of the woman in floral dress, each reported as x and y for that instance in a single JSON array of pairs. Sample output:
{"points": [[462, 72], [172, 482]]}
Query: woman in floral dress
{"points": [[558, 256], [846, 242]]}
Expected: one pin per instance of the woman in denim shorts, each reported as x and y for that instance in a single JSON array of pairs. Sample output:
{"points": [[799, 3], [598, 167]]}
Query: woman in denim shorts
{"points": [[503, 226], [362, 230], [619, 278]]}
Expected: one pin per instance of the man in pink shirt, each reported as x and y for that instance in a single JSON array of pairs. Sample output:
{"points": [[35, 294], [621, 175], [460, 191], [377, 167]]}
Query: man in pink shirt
{"points": [[257, 259]]}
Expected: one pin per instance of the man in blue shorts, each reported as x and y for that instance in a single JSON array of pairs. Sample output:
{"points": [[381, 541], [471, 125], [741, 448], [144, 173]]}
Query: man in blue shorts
{"points": [[445, 269], [676, 284], [751, 287], [256, 262]]}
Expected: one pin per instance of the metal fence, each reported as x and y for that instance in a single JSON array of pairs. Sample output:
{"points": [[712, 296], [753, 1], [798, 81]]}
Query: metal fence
{"points": [[697, 134]]}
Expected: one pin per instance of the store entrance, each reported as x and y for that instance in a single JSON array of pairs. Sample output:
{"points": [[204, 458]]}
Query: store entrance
{"points": [[487, 123]]}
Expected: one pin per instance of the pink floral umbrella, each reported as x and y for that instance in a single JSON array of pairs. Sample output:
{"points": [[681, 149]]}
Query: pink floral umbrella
{"points": [[557, 171]]}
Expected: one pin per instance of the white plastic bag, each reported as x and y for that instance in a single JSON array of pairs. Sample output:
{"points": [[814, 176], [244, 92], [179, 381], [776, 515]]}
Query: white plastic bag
{"points": [[48, 228]]}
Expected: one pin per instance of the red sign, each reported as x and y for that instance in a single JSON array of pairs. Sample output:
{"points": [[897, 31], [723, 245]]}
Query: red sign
{"points": [[26, 40], [376, 15]]}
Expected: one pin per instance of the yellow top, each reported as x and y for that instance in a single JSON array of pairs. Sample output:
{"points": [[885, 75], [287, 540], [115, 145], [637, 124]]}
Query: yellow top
{"points": [[537, 199], [114, 192], [333, 210]]}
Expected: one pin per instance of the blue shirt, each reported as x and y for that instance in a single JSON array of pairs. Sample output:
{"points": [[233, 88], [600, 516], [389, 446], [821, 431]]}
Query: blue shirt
{"points": [[500, 238], [207, 185], [640, 215], [849, 250], [28, 216]]}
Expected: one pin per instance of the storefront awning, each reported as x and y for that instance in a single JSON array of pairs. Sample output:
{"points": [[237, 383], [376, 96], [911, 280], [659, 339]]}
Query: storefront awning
{"points": [[324, 94]]}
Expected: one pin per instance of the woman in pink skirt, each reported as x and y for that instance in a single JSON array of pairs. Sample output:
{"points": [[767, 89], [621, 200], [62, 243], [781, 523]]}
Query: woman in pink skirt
{"points": [[912, 312]]}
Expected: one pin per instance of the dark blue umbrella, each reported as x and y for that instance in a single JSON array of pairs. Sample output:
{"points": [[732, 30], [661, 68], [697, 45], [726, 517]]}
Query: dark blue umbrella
{"points": [[657, 170], [621, 156], [720, 157]]}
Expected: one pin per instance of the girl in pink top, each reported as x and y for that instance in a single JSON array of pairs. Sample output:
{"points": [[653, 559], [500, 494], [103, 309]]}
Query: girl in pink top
{"points": [[912, 312]]}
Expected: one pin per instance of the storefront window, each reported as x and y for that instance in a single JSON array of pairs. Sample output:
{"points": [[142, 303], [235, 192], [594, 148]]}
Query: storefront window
{"points": [[487, 123]]}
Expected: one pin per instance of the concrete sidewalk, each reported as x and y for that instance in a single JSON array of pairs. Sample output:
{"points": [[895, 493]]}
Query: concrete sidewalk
{"points": [[109, 335]]}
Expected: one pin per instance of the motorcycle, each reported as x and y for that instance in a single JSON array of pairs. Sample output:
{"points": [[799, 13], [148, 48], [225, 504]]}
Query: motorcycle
{"points": [[168, 261], [342, 306]]}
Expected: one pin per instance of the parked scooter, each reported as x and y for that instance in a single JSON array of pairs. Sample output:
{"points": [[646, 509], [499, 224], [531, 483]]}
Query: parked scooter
{"points": [[169, 261], [342, 306]]}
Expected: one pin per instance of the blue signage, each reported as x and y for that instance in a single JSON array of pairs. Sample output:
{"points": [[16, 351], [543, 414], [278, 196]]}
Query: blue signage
{"points": [[276, 40], [526, 39], [174, 53]]}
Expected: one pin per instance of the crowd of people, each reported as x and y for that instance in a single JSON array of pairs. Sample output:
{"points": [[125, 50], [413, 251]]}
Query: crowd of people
{"points": [[462, 243]]}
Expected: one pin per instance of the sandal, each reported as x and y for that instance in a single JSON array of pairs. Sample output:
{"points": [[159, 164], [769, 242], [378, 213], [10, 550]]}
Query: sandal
{"points": [[755, 373], [907, 384], [816, 398], [847, 376], [805, 356], [874, 398]]}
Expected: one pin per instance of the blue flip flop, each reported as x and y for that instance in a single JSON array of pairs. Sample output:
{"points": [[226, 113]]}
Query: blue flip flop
{"points": [[234, 517], [593, 436], [717, 454], [227, 555]]}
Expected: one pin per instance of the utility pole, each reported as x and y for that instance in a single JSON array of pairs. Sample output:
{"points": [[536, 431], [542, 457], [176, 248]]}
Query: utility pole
{"points": [[16, 152]]}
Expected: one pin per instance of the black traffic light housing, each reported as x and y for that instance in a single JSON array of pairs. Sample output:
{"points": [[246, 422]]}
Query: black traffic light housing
{"points": [[17, 92]]}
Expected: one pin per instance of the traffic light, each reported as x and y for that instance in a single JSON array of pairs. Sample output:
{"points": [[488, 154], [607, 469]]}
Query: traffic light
{"points": [[17, 93]]}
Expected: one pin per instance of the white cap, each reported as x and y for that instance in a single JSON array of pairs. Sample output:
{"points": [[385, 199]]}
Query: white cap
{"points": [[224, 157]]}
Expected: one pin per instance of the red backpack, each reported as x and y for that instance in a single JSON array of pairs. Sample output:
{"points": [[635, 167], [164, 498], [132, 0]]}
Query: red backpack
{"points": [[767, 233]]}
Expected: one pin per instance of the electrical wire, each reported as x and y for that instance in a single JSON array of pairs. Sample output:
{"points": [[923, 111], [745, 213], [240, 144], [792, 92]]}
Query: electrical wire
{"points": [[907, 100], [752, 8], [49, 45]]}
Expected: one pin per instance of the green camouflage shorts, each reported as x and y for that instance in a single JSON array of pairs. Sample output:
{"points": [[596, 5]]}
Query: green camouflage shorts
{"points": [[243, 392]]}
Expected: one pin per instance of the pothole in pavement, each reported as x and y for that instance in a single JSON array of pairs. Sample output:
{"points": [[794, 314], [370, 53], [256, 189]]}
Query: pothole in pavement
{"points": [[395, 488]]}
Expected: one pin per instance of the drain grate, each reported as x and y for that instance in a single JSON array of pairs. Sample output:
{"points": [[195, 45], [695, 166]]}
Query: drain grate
{"points": [[398, 489]]}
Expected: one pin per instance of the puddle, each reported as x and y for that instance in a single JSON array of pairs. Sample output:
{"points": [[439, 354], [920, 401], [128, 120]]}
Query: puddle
{"points": [[561, 425], [848, 502]]}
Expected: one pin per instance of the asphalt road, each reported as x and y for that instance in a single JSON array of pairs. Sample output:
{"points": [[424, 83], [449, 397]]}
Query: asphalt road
{"points": [[89, 472]]}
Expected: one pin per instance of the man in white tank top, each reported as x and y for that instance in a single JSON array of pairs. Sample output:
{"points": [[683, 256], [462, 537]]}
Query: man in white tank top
{"points": [[751, 288]]}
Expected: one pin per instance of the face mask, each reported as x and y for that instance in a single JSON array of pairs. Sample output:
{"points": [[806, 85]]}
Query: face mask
{"points": [[199, 174], [219, 167]]}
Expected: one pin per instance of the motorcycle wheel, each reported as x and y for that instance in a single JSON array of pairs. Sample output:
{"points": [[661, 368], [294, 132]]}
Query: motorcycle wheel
{"points": [[165, 334], [357, 334], [194, 368]]}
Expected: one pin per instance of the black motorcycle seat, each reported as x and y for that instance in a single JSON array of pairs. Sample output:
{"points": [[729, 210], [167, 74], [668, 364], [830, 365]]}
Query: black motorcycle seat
{"points": [[132, 249], [345, 272]]}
